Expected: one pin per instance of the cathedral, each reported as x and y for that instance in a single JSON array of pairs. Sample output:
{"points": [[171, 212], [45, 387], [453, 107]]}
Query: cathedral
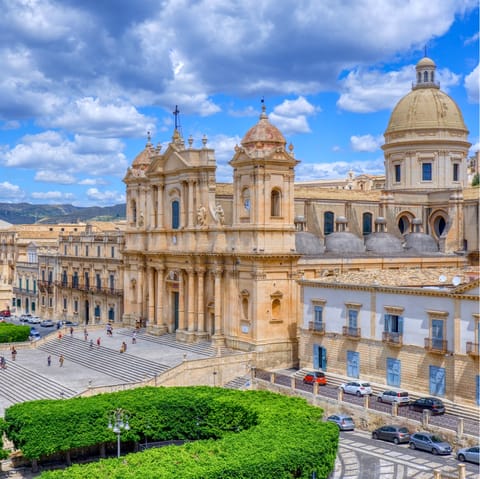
{"points": [[224, 262]]}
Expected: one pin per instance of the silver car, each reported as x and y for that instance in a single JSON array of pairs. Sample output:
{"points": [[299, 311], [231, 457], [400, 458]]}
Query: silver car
{"points": [[470, 454], [344, 422], [427, 441], [400, 397]]}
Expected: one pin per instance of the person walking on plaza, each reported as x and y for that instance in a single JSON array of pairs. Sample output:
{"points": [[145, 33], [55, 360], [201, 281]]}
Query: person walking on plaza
{"points": [[49, 360], [3, 362], [85, 334], [61, 359], [134, 337], [14, 353], [91, 343], [98, 342], [71, 330]]}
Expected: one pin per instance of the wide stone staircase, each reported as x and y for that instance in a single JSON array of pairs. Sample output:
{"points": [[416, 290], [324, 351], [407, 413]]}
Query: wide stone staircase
{"points": [[203, 348], [122, 366], [19, 384], [240, 382]]}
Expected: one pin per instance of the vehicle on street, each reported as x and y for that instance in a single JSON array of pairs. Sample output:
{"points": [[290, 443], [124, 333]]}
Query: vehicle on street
{"points": [[47, 323], [359, 388], [427, 441], [34, 320], [393, 433], [67, 323], [470, 454], [400, 397], [34, 334], [5, 313], [344, 422], [25, 318], [315, 377], [434, 405]]}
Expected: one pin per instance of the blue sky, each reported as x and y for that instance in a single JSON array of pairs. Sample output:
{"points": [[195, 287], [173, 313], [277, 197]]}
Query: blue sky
{"points": [[83, 81]]}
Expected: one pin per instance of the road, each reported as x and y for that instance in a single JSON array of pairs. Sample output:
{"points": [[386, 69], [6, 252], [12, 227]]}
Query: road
{"points": [[360, 457]]}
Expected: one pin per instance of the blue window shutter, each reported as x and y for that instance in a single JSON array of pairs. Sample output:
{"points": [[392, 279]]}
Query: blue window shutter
{"points": [[400, 324], [175, 215]]}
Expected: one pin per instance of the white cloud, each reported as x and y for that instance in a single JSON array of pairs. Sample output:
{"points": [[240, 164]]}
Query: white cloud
{"points": [[105, 197], [291, 116], [57, 196], [54, 177], [366, 142], [10, 192], [92, 182], [472, 82]]}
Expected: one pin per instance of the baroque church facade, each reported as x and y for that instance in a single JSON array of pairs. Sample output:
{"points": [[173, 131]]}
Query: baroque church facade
{"points": [[224, 262]]}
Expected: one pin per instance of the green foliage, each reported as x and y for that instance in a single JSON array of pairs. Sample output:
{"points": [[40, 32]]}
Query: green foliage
{"points": [[230, 434], [11, 333], [3, 452], [476, 179]]}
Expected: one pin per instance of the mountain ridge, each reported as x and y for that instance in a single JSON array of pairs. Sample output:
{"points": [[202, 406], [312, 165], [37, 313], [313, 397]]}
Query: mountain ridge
{"points": [[28, 213]]}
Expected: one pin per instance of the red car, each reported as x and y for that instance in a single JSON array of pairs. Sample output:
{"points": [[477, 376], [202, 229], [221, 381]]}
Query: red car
{"points": [[315, 377], [5, 313]]}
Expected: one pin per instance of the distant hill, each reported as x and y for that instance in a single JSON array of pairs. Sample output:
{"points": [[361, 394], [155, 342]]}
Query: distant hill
{"points": [[26, 213]]}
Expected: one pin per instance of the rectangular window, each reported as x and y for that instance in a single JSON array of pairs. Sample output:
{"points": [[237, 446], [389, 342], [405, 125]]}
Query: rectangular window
{"points": [[43, 275], [34, 286], [455, 171], [65, 304], [393, 372], [437, 381], [113, 252], [98, 251], [398, 174], [393, 323], [27, 285], [112, 282], [426, 172], [98, 281], [353, 364], [43, 300], [50, 303], [75, 306], [86, 250], [19, 283], [437, 333], [353, 322], [76, 250], [318, 315], [65, 249]]}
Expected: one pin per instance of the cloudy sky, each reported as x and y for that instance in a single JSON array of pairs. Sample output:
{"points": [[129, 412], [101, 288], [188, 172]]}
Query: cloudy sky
{"points": [[83, 81]]}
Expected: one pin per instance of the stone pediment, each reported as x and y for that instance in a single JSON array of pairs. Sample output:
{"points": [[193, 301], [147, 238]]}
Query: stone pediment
{"points": [[170, 162]]}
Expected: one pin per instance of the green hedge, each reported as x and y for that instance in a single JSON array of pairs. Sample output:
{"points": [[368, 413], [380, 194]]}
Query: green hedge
{"points": [[234, 434], [3, 452], [11, 333]]}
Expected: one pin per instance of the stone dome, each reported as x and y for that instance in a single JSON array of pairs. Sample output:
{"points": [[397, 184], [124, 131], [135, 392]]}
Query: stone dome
{"points": [[420, 243], [342, 242], [383, 243], [263, 135], [308, 244], [144, 158], [426, 106]]}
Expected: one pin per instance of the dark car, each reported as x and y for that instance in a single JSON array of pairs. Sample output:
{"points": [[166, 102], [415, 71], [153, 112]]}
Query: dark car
{"points": [[392, 433], [315, 377], [427, 441], [434, 405]]}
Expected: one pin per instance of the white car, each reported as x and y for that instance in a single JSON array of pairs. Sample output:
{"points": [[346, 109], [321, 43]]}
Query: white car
{"points": [[34, 320], [400, 397], [359, 388]]}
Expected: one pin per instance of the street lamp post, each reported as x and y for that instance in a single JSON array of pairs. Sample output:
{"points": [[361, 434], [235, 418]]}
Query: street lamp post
{"points": [[117, 423]]}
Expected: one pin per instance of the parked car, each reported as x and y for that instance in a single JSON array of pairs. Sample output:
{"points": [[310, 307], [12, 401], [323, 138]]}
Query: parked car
{"points": [[5, 313], [393, 433], [344, 423], [34, 334], [400, 397], [434, 405], [359, 388], [315, 377], [34, 320], [25, 318], [470, 454], [427, 441], [47, 323], [67, 323]]}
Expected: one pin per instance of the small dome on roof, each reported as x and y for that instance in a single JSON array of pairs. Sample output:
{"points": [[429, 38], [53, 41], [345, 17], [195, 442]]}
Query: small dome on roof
{"points": [[144, 158], [382, 242], [263, 135], [343, 242], [308, 244], [420, 243], [424, 62]]}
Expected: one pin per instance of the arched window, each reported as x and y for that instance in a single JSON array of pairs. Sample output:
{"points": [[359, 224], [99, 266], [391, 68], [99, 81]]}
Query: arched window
{"points": [[367, 223], [439, 225], [111, 314], [425, 77], [175, 214], [276, 309], [97, 311], [275, 198], [419, 77], [431, 76], [75, 280], [134, 211], [244, 308], [328, 222], [404, 224]]}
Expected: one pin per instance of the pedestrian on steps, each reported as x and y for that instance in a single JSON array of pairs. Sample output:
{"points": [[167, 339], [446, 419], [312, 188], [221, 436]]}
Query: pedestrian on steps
{"points": [[61, 359], [14, 353], [49, 360]]}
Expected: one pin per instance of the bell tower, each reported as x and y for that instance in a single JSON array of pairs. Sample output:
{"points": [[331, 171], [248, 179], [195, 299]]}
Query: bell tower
{"points": [[263, 198]]}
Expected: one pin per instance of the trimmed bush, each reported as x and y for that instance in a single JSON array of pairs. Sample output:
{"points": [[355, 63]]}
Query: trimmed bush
{"points": [[230, 434], [11, 333]]}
